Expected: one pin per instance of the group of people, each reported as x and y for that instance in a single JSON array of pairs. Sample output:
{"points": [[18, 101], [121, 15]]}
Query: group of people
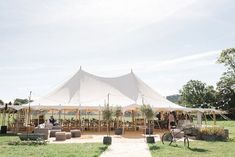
{"points": [[173, 119]]}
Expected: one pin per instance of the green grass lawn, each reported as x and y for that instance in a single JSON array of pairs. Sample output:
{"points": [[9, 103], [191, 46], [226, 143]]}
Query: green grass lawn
{"points": [[49, 150], [199, 148]]}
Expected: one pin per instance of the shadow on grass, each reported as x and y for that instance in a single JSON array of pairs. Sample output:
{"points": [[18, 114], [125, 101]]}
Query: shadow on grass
{"points": [[198, 150], [103, 148], [153, 147], [175, 146]]}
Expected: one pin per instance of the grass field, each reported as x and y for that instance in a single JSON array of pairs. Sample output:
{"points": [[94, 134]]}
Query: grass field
{"points": [[49, 150], [199, 148]]}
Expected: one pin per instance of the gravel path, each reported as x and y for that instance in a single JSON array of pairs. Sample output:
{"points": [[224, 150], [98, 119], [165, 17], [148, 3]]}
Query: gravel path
{"points": [[124, 147]]}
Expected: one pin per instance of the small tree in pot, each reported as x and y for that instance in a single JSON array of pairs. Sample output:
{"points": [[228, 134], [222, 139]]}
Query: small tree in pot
{"points": [[107, 116], [118, 114], [148, 114]]}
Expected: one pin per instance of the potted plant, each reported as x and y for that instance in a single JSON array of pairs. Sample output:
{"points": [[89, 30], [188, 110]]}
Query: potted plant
{"points": [[118, 114], [107, 116], [148, 114]]}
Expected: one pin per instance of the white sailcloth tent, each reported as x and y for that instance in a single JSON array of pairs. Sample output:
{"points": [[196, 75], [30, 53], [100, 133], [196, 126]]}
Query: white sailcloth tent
{"points": [[85, 90]]}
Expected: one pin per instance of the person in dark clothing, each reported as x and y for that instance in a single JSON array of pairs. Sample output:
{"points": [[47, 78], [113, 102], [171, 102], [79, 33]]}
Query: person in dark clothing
{"points": [[52, 120]]}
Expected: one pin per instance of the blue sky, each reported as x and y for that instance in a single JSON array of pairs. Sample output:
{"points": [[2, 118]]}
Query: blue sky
{"points": [[165, 42]]}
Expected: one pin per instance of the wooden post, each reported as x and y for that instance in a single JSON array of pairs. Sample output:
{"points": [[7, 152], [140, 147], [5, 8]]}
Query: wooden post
{"points": [[17, 121], [199, 118], [99, 122], [133, 119], [8, 118], [76, 125], [26, 116], [161, 115], [205, 119], [214, 117], [3, 117]]}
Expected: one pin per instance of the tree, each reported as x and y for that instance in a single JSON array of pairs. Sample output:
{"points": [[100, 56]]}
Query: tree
{"points": [[226, 84], [118, 114], [227, 57], [197, 94], [20, 101], [1, 102], [148, 114], [107, 116]]}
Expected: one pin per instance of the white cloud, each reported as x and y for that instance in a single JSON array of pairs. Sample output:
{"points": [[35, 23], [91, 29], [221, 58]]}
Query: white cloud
{"points": [[149, 66]]}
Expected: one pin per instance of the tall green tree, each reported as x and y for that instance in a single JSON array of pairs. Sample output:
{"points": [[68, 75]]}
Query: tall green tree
{"points": [[227, 57], [197, 94], [226, 84]]}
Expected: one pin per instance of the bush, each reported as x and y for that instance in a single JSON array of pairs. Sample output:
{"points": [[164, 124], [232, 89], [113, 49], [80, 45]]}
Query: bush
{"points": [[31, 136], [37, 142], [212, 134]]}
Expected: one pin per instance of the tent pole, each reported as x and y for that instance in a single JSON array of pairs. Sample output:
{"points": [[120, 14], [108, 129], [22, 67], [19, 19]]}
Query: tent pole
{"points": [[76, 118], [108, 123], [30, 93], [25, 113], [133, 119], [123, 122], [38, 116], [8, 117], [60, 117], [79, 117], [17, 121]]}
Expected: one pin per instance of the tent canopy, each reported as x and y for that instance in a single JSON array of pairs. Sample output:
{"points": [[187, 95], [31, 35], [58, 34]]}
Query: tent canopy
{"points": [[85, 89]]}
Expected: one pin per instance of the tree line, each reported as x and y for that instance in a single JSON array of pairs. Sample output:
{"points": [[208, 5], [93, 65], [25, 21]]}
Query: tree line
{"points": [[196, 93], [17, 101]]}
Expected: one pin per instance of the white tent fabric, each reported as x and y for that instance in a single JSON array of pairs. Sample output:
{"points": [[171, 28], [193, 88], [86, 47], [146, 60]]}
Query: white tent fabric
{"points": [[85, 89]]}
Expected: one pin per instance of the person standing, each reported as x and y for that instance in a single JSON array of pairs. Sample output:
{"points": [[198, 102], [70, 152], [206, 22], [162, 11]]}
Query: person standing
{"points": [[52, 120], [171, 120]]}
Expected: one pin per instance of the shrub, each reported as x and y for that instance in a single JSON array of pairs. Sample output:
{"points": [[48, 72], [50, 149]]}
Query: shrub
{"points": [[212, 134], [30, 143]]}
